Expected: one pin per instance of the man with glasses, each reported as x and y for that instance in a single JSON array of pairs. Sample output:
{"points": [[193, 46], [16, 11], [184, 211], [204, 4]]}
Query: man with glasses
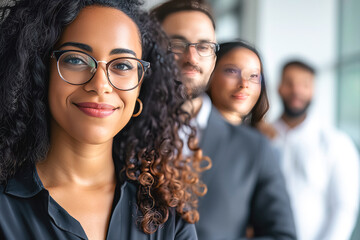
{"points": [[192, 40], [231, 206]]}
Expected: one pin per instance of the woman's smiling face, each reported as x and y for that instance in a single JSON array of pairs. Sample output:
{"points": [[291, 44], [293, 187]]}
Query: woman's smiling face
{"points": [[95, 111], [236, 82]]}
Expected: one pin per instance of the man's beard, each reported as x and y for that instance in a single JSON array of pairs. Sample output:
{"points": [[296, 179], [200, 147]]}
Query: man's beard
{"points": [[194, 87], [295, 113], [194, 91]]}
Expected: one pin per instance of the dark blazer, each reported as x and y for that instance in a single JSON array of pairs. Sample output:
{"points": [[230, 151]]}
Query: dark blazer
{"points": [[245, 185]]}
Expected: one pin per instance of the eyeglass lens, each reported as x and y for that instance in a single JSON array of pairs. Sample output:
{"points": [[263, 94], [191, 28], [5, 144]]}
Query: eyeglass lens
{"points": [[252, 75], [203, 48]]}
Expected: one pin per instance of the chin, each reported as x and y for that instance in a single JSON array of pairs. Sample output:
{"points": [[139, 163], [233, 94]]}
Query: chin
{"points": [[240, 110], [94, 135]]}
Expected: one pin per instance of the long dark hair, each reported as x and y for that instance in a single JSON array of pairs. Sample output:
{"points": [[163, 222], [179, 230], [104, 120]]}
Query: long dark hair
{"points": [[262, 105], [149, 147]]}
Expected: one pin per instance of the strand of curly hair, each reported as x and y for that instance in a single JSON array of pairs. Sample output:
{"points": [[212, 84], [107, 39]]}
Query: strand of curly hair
{"points": [[154, 160]]}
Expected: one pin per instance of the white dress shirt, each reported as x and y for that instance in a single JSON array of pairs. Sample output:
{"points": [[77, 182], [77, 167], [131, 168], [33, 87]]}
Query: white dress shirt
{"points": [[202, 118], [321, 169], [199, 122]]}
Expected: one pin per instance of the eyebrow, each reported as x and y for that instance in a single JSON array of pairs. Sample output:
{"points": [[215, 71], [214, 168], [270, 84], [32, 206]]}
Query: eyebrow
{"points": [[122, 50], [87, 48], [235, 66], [231, 65], [179, 37], [78, 45]]}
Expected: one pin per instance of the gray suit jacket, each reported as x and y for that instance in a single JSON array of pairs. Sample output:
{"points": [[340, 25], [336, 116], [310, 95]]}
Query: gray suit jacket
{"points": [[245, 185]]}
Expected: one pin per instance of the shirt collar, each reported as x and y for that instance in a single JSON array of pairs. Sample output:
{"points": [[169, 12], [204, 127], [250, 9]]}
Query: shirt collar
{"points": [[309, 124], [25, 184], [204, 113]]}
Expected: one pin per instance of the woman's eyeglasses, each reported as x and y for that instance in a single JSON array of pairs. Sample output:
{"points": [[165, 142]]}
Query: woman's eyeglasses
{"points": [[251, 75], [77, 68]]}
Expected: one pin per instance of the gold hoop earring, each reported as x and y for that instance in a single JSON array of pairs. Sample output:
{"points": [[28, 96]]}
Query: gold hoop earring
{"points": [[140, 108]]}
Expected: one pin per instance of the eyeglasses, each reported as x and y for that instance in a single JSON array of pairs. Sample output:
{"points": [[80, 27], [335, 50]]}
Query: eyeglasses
{"points": [[204, 49], [251, 75], [77, 68]]}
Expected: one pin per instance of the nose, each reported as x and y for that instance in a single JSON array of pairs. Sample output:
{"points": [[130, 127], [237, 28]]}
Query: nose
{"points": [[243, 82], [99, 83], [191, 55]]}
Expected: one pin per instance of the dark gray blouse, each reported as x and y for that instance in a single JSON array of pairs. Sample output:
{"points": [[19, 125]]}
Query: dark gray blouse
{"points": [[27, 211]]}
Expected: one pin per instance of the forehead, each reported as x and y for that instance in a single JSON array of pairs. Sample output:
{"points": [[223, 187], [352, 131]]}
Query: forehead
{"points": [[194, 26], [103, 29], [297, 74], [242, 58]]}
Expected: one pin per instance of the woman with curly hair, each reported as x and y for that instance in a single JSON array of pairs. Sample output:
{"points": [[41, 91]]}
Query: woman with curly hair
{"points": [[90, 114]]}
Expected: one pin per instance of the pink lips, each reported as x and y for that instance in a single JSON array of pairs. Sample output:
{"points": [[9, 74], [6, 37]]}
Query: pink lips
{"points": [[99, 110], [240, 96]]}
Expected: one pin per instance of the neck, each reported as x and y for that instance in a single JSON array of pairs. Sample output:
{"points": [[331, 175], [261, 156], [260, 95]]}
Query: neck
{"points": [[232, 117], [193, 106], [293, 122], [71, 162]]}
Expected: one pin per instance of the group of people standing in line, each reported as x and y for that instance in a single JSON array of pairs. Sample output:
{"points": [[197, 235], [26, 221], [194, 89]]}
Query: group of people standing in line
{"points": [[122, 124]]}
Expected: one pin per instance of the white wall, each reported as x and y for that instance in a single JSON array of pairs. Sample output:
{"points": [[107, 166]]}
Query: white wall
{"points": [[305, 29]]}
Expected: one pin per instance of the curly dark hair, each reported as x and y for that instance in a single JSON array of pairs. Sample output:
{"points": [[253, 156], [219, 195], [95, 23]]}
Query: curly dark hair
{"points": [[149, 147], [260, 108]]}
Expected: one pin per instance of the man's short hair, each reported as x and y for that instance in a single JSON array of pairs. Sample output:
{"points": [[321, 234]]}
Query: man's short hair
{"points": [[172, 6], [300, 64]]}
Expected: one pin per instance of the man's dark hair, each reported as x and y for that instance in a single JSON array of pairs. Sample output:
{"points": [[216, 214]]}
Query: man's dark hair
{"points": [[172, 6], [300, 64]]}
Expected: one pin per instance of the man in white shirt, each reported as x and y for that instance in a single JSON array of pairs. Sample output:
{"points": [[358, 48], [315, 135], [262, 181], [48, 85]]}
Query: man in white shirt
{"points": [[320, 164]]}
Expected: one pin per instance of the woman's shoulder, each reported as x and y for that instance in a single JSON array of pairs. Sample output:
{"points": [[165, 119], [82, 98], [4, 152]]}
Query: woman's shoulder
{"points": [[252, 134], [178, 228], [2, 195], [174, 228], [183, 229]]}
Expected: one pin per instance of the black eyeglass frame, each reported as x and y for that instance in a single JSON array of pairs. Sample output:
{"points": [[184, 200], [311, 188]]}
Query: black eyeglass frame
{"points": [[187, 45], [57, 54]]}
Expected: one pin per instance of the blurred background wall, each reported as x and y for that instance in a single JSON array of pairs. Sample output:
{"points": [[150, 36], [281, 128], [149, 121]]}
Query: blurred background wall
{"points": [[325, 33]]}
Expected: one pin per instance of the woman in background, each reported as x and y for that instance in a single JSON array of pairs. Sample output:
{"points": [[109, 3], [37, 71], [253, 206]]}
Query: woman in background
{"points": [[245, 184], [237, 87]]}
